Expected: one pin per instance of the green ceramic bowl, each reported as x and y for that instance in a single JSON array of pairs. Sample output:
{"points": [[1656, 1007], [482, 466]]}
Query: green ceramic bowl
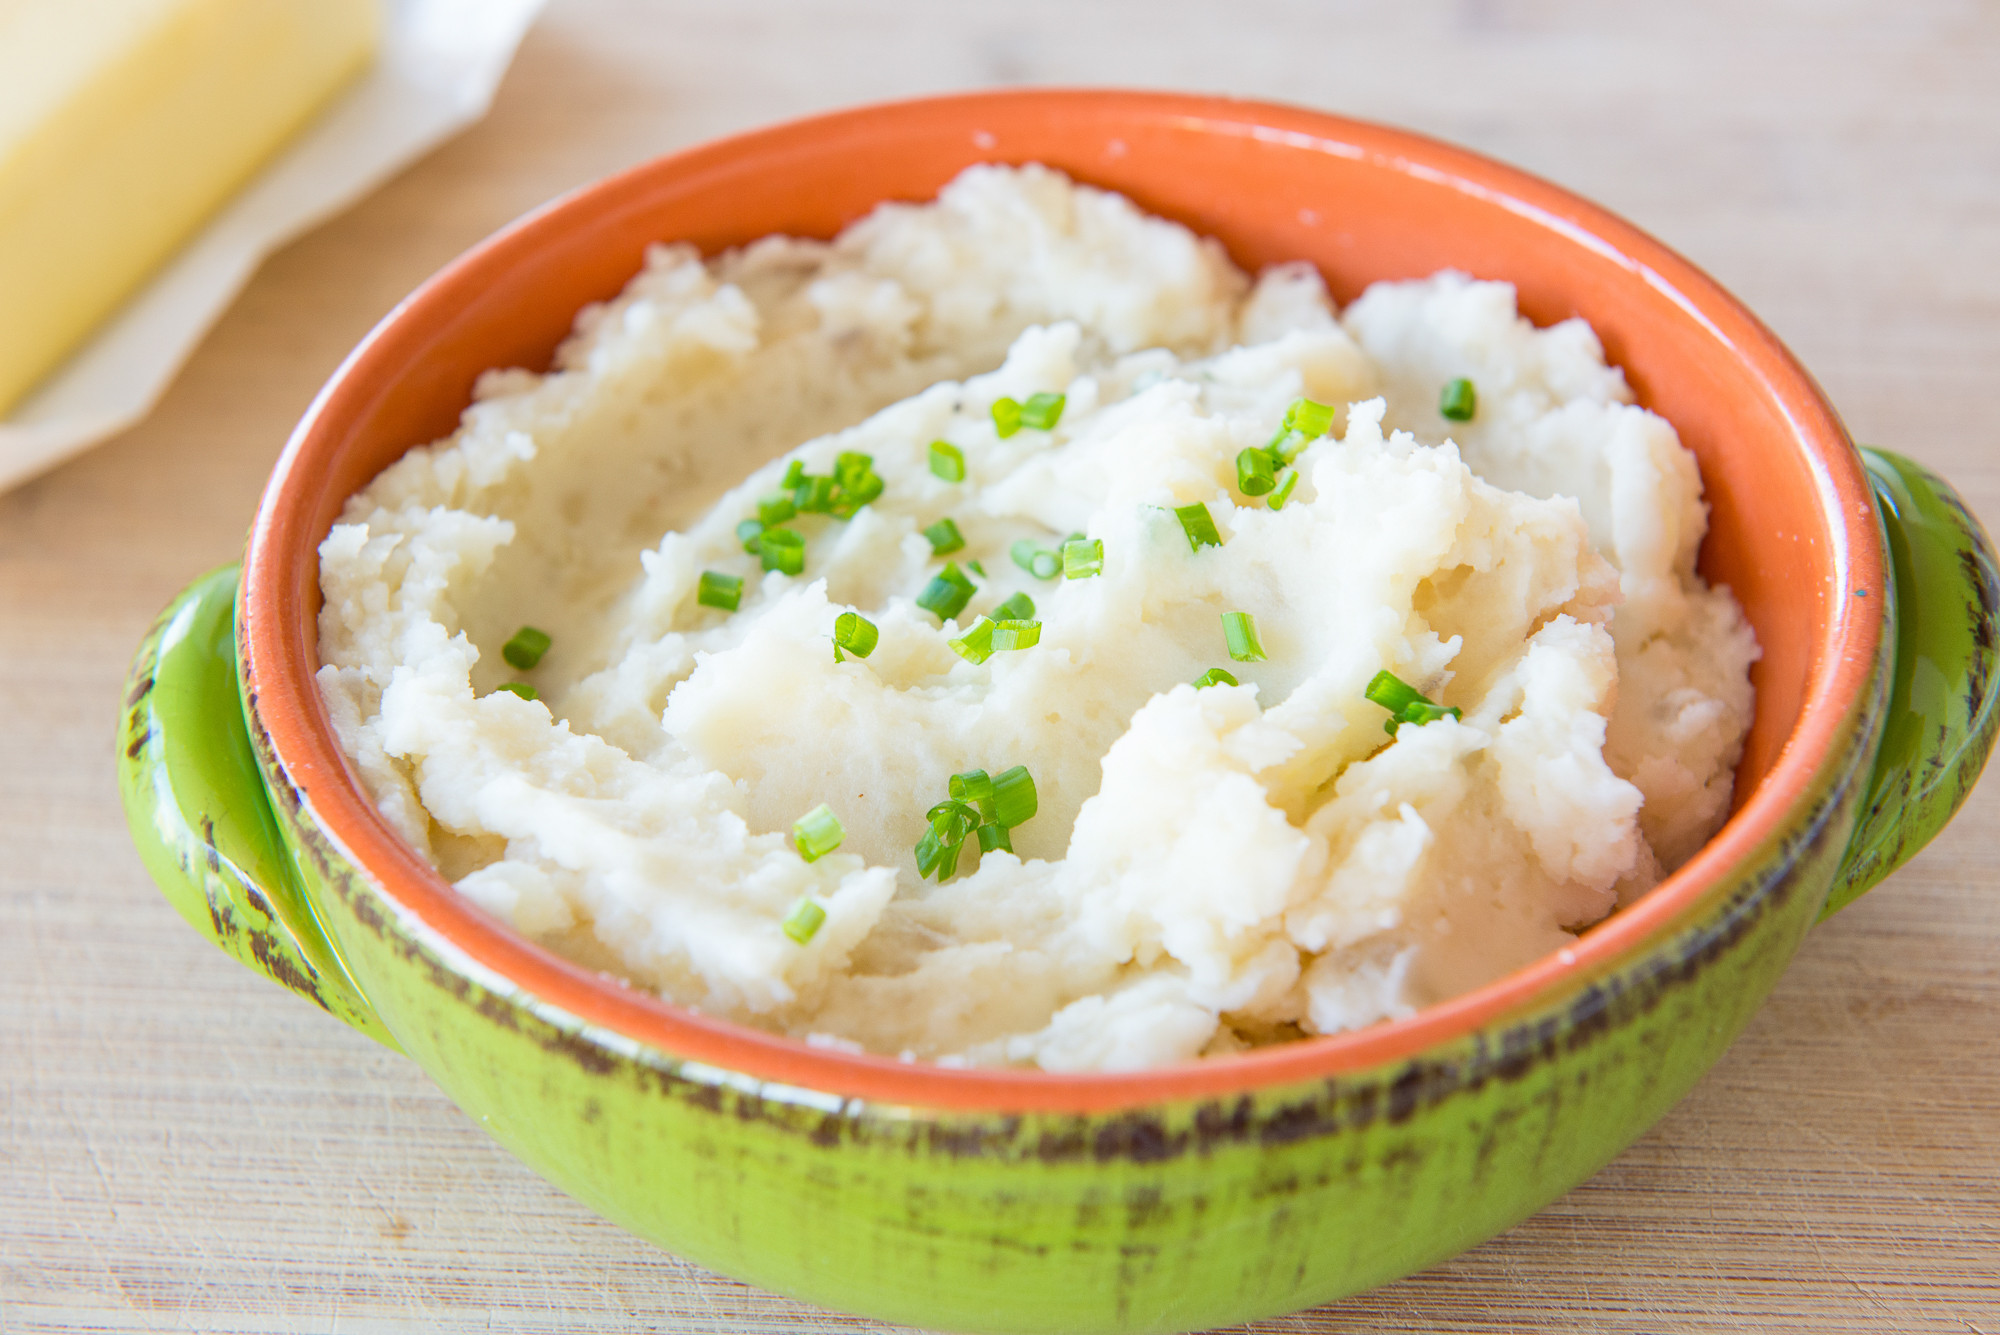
{"points": [[1016, 1201]]}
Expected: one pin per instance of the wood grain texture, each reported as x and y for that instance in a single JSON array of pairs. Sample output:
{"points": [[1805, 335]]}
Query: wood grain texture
{"points": [[183, 1147]]}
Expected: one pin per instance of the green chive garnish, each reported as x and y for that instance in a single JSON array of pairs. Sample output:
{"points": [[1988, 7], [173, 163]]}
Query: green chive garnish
{"points": [[1287, 483], [1459, 401], [951, 820], [992, 837], [1082, 558], [975, 787], [947, 593], [1405, 703], [719, 590], [795, 473], [775, 509], [817, 833], [1016, 634], [976, 568], [976, 645], [803, 923], [1309, 419], [1199, 527], [1006, 417], [782, 550], [520, 688], [1014, 796], [1255, 470], [851, 469], [1214, 677], [1240, 630], [1037, 561], [856, 491], [527, 647], [935, 856], [947, 461], [814, 494], [854, 634], [748, 532], [1285, 446], [1042, 411], [1019, 607], [944, 536]]}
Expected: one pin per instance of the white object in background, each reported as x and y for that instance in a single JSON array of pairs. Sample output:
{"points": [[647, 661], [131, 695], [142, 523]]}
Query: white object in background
{"points": [[440, 62]]}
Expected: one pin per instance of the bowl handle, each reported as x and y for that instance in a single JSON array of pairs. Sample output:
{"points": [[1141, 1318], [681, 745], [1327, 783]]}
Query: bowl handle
{"points": [[199, 811], [1943, 703]]}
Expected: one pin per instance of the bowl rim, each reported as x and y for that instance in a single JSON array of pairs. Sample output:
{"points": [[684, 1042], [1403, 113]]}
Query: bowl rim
{"points": [[276, 635]]}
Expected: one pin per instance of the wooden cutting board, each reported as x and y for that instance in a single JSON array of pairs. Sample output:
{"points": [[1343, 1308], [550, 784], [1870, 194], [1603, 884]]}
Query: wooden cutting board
{"points": [[184, 1147]]}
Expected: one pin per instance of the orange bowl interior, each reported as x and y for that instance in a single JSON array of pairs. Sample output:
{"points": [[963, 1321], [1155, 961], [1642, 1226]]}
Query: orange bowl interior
{"points": [[1791, 524]]}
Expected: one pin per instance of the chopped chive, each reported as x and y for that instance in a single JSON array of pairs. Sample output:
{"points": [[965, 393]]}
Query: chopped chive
{"points": [[814, 494], [1391, 692], [951, 820], [1309, 419], [1018, 607], [1286, 445], [804, 921], [1037, 561], [1255, 470], [1459, 401], [851, 468], [1006, 417], [527, 647], [1042, 411], [976, 645], [748, 532], [937, 852], [994, 837], [782, 550], [934, 856], [520, 688], [775, 509], [1014, 796], [847, 499], [1082, 558], [1016, 634], [1199, 527], [720, 590], [817, 833], [854, 634], [1287, 483], [973, 786], [795, 473], [947, 593], [947, 461], [1405, 703], [944, 536], [1239, 629], [1214, 677], [976, 568]]}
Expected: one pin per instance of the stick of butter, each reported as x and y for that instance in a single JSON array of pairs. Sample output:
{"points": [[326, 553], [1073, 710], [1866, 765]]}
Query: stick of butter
{"points": [[123, 125]]}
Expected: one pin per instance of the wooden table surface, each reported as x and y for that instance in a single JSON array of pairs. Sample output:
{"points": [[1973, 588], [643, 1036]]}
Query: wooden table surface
{"points": [[185, 1147]]}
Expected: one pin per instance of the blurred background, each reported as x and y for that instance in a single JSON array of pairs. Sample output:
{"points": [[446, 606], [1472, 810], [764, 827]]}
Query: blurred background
{"points": [[184, 1147]]}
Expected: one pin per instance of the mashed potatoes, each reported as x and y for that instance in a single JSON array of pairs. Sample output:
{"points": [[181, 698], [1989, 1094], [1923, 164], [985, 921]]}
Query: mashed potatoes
{"points": [[1207, 868]]}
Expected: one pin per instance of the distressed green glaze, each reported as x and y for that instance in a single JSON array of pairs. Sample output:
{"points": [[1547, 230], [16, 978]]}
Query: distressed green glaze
{"points": [[1169, 1217], [1942, 706], [200, 814]]}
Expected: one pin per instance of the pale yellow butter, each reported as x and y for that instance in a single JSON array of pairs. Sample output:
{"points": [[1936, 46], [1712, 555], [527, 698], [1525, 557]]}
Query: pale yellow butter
{"points": [[123, 125]]}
